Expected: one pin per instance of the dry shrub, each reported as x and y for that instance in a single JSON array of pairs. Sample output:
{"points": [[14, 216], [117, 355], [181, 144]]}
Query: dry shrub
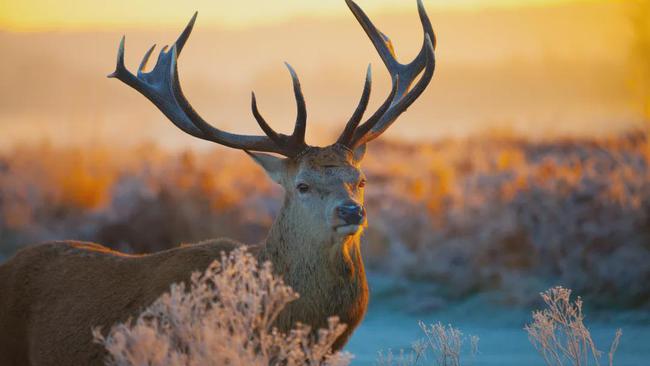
{"points": [[515, 215], [444, 343], [490, 213], [560, 335], [225, 317]]}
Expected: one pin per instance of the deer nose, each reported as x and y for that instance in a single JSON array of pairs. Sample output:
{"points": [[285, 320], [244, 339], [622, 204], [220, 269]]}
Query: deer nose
{"points": [[351, 212]]}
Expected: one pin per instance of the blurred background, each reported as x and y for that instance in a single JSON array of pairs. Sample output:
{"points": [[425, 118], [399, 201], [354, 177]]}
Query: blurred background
{"points": [[524, 165]]}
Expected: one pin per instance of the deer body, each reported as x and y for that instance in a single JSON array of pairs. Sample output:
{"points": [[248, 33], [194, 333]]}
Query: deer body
{"points": [[63, 288], [66, 288], [52, 295]]}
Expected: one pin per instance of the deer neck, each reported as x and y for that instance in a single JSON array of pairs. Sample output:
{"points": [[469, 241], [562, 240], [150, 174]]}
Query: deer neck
{"points": [[328, 275], [312, 262]]}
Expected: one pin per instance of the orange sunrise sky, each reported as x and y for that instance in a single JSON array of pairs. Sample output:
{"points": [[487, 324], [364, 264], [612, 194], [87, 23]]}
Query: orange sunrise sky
{"points": [[38, 15]]}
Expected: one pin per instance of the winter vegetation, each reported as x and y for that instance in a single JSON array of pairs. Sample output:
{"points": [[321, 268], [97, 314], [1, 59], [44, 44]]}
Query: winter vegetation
{"points": [[560, 335], [492, 214], [558, 332], [224, 317], [442, 345]]}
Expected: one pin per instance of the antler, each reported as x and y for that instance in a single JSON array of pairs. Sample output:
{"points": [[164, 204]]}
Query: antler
{"points": [[162, 87], [402, 75]]}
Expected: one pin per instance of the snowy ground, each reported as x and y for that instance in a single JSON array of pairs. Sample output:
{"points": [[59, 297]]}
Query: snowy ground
{"points": [[503, 342]]}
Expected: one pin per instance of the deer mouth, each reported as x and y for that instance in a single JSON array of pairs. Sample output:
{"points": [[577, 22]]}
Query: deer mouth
{"points": [[347, 229]]}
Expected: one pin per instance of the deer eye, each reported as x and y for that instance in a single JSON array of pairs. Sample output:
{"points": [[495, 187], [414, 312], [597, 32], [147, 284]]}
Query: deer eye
{"points": [[302, 188], [362, 184]]}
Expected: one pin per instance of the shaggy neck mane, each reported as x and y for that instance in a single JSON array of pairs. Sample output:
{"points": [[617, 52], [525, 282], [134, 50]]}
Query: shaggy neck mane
{"points": [[328, 274], [293, 251]]}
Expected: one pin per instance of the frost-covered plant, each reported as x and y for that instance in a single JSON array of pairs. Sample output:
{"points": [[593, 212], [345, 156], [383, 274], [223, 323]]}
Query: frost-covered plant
{"points": [[404, 358], [445, 343], [225, 317], [560, 335]]}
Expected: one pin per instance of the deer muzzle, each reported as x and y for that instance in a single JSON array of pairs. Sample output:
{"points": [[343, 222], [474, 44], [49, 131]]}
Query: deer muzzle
{"points": [[351, 213]]}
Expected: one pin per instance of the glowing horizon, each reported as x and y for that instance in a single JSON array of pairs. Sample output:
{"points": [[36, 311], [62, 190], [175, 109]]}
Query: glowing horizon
{"points": [[41, 15]]}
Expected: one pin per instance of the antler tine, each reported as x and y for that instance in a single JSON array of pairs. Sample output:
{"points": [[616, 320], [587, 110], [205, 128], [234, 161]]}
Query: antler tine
{"points": [[296, 141], [377, 127], [353, 123], [381, 42], [141, 84], [145, 59], [298, 135], [120, 69], [182, 39], [162, 87], [262, 122], [402, 75], [372, 121], [426, 27]]}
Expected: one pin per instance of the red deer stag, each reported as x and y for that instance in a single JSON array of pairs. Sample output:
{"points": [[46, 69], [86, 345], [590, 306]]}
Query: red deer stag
{"points": [[51, 295]]}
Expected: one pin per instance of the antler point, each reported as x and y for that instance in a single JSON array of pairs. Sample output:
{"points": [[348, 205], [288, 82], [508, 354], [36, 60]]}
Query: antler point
{"points": [[190, 25], [351, 4], [193, 19], [145, 58], [291, 69], [120, 54], [122, 41]]}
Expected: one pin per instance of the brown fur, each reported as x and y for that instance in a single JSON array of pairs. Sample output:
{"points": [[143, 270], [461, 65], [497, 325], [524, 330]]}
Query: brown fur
{"points": [[51, 295]]}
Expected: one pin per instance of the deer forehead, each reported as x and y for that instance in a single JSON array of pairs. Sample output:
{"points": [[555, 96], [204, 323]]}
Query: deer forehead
{"points": [[329, 165], [331, 176]]}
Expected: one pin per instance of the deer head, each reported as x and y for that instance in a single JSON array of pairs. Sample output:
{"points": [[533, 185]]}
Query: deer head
{"points": [[324, 185]]}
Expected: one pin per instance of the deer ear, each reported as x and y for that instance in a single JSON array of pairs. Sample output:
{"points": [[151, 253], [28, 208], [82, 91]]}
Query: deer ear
{"points": [[359, 152], [274, 166]]}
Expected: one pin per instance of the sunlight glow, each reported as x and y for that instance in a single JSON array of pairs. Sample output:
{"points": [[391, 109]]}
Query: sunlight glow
{"points": [[38, 15]]}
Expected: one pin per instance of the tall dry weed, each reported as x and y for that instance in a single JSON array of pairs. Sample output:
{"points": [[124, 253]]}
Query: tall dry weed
{"points": [[560, 335], [224, 317], [442, 345]]}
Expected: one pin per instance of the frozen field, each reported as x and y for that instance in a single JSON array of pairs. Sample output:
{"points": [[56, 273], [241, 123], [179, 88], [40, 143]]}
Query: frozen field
{"points": [[503, 341]]}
